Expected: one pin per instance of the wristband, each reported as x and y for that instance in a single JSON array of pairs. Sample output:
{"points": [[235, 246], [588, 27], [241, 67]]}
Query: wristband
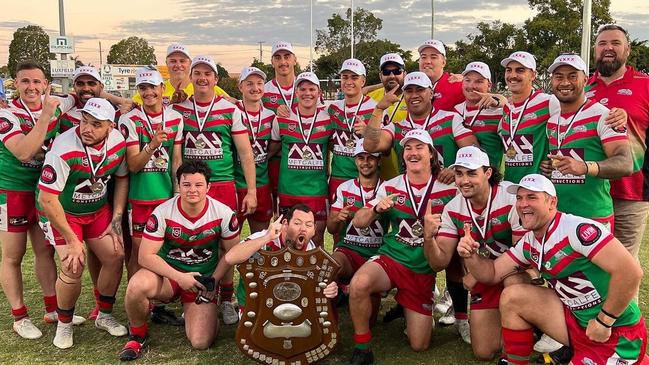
{"points": [[608, 314], [375, 211], [586, 164], [602, 322], [597, 174]]}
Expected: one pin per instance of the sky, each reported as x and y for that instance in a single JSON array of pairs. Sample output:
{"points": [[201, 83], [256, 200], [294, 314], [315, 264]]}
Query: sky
{"points": [[229, 30]]}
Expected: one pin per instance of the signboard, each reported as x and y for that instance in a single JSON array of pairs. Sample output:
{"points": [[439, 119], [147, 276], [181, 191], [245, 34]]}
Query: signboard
{"points": [[122, 77], [61, 68], [61, 44]]}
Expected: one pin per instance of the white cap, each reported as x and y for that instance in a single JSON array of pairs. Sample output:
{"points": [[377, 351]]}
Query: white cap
{"points": [[569, 60], [354, 66], [146, 75], [282, 46], [206, 60], [391, 57], [433, 43], [307, 76], [418, 134], [534, 182], [88, 71], [247, 71], [470, 157], [524, 58], [360, 149], [100, 109], [417, 78], [479, 67], [177, 47]]}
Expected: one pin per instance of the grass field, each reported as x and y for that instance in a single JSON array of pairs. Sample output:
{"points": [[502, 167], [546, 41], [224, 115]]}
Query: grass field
{"points": [[168, 345]]}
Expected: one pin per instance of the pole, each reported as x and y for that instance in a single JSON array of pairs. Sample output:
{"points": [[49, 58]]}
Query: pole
{"points": [[351, 37], [63, 81], [432, 19], [585, 32], [261, 52], [100, 56], [311, 40]]}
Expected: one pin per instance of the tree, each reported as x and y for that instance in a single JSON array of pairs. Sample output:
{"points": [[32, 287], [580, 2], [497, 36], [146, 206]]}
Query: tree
{"points": [[336, 36], [639, 57], [267, 68], [231, 86], [29, 43], [132, 51]]}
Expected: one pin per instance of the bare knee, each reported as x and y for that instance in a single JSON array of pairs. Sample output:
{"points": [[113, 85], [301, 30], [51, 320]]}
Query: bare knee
{"points": [[200, 342], [360, 285], [483, 353], [70, 277], [140, 285], [511, 298], [418, 346]]}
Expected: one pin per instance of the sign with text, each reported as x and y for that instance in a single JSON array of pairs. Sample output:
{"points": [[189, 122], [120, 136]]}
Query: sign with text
{"points": [[61, 68], [61, 44]]}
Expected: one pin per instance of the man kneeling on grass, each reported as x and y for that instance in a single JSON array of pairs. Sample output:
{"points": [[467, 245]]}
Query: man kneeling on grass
{"points": [[179, 256]]}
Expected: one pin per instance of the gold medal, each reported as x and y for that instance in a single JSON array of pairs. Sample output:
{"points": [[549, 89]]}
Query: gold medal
{"points": [[39, 156], [160, 163], [365, 231], [484, 252], [350, 143], [200, 143], [97, 187], [307, 155], [511, 152], [417, 229], [555, 163]]}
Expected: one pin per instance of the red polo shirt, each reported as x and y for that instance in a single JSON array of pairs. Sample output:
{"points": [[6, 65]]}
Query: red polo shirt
{"points": [[447, 94], [631, 93]]}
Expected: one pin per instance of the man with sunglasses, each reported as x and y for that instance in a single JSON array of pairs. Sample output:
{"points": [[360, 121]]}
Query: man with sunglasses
{"points": [[618, 85], [432, 59]]}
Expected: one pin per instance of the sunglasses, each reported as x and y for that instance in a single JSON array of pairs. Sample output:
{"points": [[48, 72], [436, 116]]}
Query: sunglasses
{"points": [[394, 71]]}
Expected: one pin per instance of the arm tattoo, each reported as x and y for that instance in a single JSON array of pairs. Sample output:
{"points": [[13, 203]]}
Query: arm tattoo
{"points": [[116, 224], [372, 133]]}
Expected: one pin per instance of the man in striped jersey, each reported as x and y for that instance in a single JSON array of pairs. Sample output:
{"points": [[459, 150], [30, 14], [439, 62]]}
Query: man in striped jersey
{"points": [[485, 212], [615, 84], [349, 117], [585, 152], [401, 262], [73, 196], [356, 245], [432, 59], [592, 277], [259, 122], [481, 112], [153, 136], [304, 138], [27, 129], [212, 128], [180, 259]]}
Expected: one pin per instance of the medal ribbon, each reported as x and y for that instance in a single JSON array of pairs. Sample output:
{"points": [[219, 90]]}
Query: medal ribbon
{"points": [[542, 253], [395, 109], [419, 208], [360, 190], [201, 123], [350, 121], [307, 137], [481, 230], [94, 168], [475, 116], [29, 112], [149, 125], [253, 132], [514, 127], [572, 121], [425, 126], [281, 93]]}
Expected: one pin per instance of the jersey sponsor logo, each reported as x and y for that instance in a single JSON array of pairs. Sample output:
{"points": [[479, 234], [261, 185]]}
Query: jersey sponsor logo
{"points": [[437, 96], [590, 94], [558, 178], [84, 192], [576, 291], [152, 225], [603, 101], [626, 92], [18, 221], [406, 236], [588, 233], [233, 226], [5, 125], [48, 175], [190, 256], [124, 130], [206, 145], [588, 361], [369, 237], [523, 145], [303, 156]]}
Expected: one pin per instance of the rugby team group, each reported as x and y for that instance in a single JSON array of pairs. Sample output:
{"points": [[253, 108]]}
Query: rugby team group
{"points": [[534, 205]]}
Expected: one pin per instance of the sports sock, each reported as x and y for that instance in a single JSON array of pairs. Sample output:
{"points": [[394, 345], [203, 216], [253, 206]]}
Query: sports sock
{"points": [[139, 331], [518, 345], [65, 315], [105, 303], [50, 303], [19, 313], [460, 297], [225, 292], [363, 341]]}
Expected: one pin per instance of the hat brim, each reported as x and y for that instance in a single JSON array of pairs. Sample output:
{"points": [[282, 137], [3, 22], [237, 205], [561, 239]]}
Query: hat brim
{"points": [[507, 60], [86, 74], [97, 115], [283, 49], [556, 65], [352, 71], [513, 189], [466, 165], [403, 142], [186, 54], [204, 63], [258, 73]]}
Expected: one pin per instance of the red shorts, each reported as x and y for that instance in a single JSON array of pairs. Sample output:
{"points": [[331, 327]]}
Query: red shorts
{"points": [[138, 215], [626, 343], [333, 185], [317, 204], [485, 296], [17, 210], [264, 212], [414, 290], [225, 192], [86, 227], [355, 260], [185, 295], [273, 173]]}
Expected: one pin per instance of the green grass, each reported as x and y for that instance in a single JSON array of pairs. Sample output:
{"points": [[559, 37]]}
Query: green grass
{"points": [[168, 345]]}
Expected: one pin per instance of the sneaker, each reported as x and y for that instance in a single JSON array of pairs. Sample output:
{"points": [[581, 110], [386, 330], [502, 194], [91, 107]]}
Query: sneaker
{"points": [[394, 313], [546, 344], [464, 329], [93, 313], [229, 313], [444, 302], [360, 357], [503, 361], [448, 318], [26, 329], [108, 323], [133, 349], [561, 356], [63, 338], [53, 317], [161, 315]]}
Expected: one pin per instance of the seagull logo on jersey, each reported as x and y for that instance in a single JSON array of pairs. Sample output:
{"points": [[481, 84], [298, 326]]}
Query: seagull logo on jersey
{"points": [[603, 101], [273, 99], [626, 92], [350, 200], [292, 127], [152, 224], [588, 233], [401, 200], [48, 174], [5, 125], [175, 232], [590, 94], [528, 116]]}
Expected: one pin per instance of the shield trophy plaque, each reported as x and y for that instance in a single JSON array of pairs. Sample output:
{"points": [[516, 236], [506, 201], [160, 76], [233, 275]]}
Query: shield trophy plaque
{"points": [[287, 320]]}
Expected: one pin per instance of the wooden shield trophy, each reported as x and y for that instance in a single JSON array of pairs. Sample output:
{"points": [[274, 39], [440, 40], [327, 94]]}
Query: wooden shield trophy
{"points": [[287, 319]]}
